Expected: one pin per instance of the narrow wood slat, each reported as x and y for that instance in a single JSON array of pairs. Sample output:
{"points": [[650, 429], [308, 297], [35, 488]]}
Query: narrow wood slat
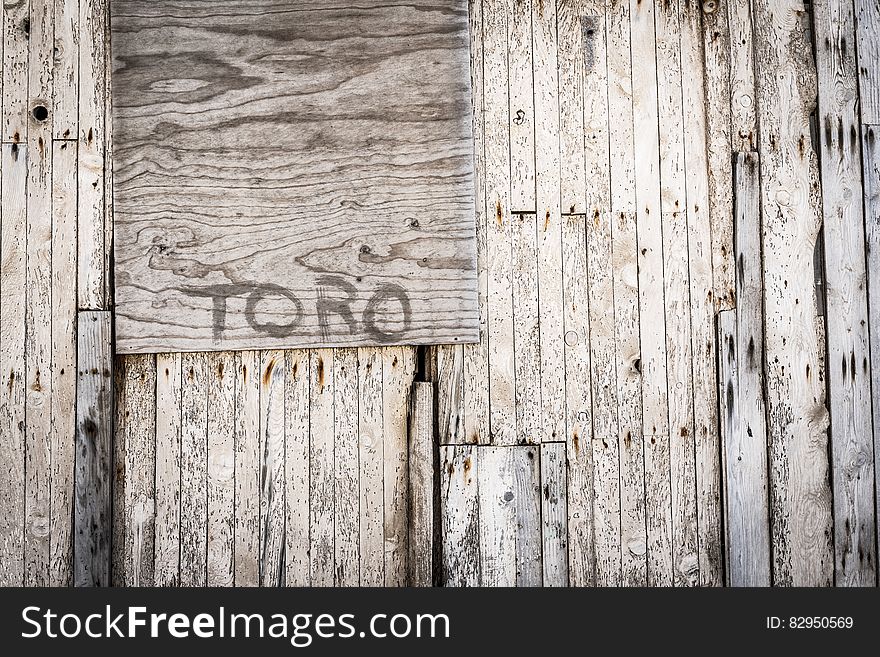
{"points": [[867, 27], [697, 101], [624, 258], [744, 129], [522, 115], [168, 469], [65, 104], [371, 455], [296, 469], [64, 365], [346, 468], [459, 516], [94, 431], [716, 47], [554, 510], [92, 245], [16, 28], [526, 329], [547, 162], [134, 455], [272, 506], [194, 470], [573, 53], [398, 369], [221, 470], [13, 236], [502, 392], [852, 445], [321, 488], [871, 164], [247, 469], [420, 528], [741, 397], [791, 210]]}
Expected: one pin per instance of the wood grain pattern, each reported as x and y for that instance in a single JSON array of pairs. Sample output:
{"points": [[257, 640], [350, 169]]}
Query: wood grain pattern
{"points": [[420, 530], [369, 115], [871, 165], [459, 516]]}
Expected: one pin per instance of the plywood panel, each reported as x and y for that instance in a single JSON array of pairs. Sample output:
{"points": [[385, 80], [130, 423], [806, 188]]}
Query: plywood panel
{"points": [[299, 180]]}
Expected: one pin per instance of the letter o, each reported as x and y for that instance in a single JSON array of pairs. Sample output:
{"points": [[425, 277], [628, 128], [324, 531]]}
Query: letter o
{"points": [[384, 293], [270, 328]]}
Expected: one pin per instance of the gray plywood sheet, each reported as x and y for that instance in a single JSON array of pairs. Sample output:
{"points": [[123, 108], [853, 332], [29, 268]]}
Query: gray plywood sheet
{"points": [[292, 173]]}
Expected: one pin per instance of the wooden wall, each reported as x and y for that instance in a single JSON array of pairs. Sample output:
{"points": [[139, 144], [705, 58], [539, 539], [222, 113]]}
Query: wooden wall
{"points": [[678, 219]]}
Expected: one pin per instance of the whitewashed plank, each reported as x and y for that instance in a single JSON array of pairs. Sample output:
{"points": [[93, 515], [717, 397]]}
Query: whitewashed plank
{"points": [[92, 246], [296, 469], [550, 282], [371, 456], [193, 470], [321, 487], [846, 297], [66, 71], [791, 210], [871, 163], [594, 496], [247, 469], [94, 431], [700, 163], [346, 470], [13, 235], [420, 530], [526, 329], [741, 397], [554, 513], [744, 129], [64, 366], [522, 115], [867, 27], [16, 29], [502, 393], [475, 392], [572, 57], [398, 369], [450, 394], [134, 509], [221, 469], [709, 22], [166, 561], [272, 488], [459, 515]]}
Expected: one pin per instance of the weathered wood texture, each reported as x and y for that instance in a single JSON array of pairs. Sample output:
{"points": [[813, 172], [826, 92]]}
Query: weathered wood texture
{"points": [[361, 117]]}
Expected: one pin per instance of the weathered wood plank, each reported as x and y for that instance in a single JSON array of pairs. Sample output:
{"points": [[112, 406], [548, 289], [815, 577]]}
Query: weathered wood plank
{"points": [[13, 236], [398, 369], [92, 243], [296, 469], [744, 128], [371, 456], [134, 501], [700, 161], [272, 506], [521, 115], [554, 515], [65, 72], [572, 57], [498, 217], [550, 282], [16, 30], [871, 163], [791, 211], [460, 516], [321, 488], [420, 528], [867, 26], [345, 467], [247, 469], [624, 259], [450, 394], [846, 297], [526, 329], [64, 367], [221, 470], [741, 397], [709, 22], [94, 431], [392, 262], [194, 470], [166, 561]]}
